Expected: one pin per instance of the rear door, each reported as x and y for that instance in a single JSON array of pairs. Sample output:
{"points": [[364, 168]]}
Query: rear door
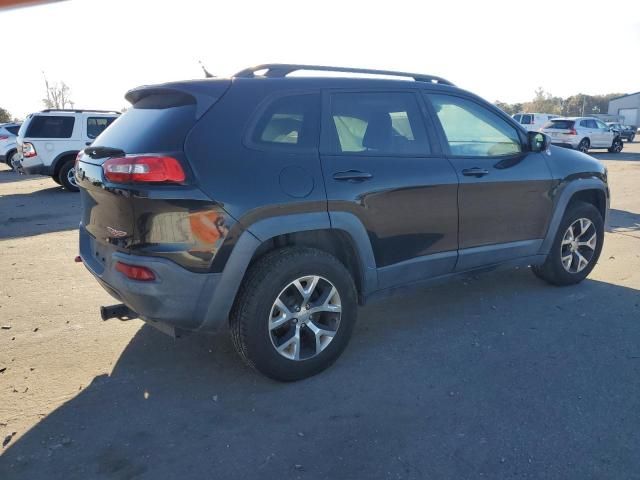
{"points": [[504, 202], [383, 166]]}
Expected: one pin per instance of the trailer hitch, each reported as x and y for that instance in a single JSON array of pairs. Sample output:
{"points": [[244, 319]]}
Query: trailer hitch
{"points": [[120, 311]]}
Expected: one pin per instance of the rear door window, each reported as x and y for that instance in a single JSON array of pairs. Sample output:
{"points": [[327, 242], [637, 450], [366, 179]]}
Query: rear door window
{"points": [[289, 123], [385, 123], [96, 125], [43, 126], [517, 118], [527, 119]]}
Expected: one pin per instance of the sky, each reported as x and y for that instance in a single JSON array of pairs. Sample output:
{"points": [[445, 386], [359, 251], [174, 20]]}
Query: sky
{"points": [[501, 50]]}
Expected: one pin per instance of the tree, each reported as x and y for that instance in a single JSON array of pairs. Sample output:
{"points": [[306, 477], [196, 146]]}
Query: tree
{"points": [[4, 116], [510, 108], [58, 95]]}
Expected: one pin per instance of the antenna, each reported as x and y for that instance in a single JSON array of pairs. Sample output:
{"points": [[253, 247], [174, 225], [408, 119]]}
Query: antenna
{"points": [[207, 74]]}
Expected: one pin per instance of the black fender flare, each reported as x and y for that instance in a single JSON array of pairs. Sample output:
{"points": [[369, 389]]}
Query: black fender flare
{"points": [[217, 312], [568, 190]]}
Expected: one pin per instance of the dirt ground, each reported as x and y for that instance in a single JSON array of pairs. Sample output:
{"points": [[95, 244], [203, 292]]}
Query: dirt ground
{"points": [[497, 375]]}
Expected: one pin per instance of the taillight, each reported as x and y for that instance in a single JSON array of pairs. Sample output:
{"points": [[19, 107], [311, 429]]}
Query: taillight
{"points": [[78, 156], [4, 137], [28, 150], [135, 272], [143, 168], [572, 132]]}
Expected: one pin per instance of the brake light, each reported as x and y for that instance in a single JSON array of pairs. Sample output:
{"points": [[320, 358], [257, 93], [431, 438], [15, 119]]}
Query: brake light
{"points": [[143, 168], [78, 156], [135, 272], [28, 150], [572, 132], [4, 137]]}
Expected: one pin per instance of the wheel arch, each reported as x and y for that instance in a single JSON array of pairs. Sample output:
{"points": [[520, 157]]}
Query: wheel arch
{"points": [[57, 163], [343, 236], [590, 190]]}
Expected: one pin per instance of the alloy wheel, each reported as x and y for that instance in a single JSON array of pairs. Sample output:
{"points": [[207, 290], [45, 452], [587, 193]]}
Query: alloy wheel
{"points": [[583, 146], [305, 317], [71, 177], [578, 245], [617, 146]]}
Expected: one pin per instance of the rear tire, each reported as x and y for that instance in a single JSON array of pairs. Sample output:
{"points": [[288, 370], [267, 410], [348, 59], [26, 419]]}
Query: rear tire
{"points": [[616, 146], [66, 176], [584, 145], [631, 138], [309, 332], [11, 156], [557, 272]]}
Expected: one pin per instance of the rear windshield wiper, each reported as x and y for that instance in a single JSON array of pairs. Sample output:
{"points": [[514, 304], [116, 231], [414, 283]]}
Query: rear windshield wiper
{"points": [[103, 152]]}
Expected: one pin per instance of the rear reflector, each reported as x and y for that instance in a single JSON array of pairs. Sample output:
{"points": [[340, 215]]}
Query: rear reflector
{"points": [[134, 272], [143, 169]]}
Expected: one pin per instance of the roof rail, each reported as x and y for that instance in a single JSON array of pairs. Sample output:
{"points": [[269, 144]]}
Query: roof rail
{"points": [[280, 70], [75, 110]]}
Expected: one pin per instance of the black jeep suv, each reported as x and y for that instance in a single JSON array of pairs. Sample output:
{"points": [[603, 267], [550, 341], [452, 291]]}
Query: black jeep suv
{"points": [[275, 204]]}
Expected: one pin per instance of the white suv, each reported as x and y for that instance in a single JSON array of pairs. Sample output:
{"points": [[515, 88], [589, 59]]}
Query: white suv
{"points": [[583, 133], [49, 141]]}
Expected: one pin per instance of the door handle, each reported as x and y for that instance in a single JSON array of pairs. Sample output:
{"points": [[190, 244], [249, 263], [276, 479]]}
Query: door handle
{"points": [[352, 176], [475, 172]]}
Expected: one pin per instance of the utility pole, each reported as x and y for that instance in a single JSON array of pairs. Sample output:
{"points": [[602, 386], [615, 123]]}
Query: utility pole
{"points": [[584, 99]]}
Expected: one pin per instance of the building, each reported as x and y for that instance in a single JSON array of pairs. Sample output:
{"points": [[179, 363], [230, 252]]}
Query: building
{"points": [[627, 108]]}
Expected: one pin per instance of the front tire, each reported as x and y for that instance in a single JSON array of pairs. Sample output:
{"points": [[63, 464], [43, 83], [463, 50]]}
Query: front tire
{"points": [[294, 314], [66, 177], [616, 146], [576, 248]]}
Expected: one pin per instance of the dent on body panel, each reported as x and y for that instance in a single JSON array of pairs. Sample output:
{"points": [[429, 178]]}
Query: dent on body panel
{"points": [[190, 233]]}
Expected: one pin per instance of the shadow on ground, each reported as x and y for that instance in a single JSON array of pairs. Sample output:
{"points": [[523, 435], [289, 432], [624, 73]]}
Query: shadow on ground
{"points": [[622, 156], [623, 221], [51, 209], [498, 375]]}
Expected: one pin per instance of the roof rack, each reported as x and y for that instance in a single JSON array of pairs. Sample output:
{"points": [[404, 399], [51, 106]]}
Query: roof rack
{"points": [[75, 110], [280, 70]]}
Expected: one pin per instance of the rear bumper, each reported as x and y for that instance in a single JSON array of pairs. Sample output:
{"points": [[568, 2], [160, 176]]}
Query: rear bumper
{"points": [[33, 166], [178, 298]]}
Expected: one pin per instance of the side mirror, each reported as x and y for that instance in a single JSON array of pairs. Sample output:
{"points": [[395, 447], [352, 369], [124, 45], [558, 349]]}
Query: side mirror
{"points": [[538, 142]]}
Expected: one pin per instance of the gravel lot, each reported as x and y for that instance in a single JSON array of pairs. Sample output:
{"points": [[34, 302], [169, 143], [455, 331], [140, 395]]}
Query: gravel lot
{"points": [[500, 375]]}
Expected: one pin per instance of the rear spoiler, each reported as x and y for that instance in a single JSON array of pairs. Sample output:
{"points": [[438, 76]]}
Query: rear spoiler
{"points": [[204, 93]]}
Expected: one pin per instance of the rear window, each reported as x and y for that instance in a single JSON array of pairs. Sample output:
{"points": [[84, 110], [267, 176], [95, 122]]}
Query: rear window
{"points": [[560, 124], [14, 130], [156, 123], [43, 126]]}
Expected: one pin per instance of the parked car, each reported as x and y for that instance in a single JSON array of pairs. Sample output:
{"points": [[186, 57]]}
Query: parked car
{"points": [[273, 205], [8, 148], [626, 132], [49, 141], [583, 133], [533, 122]]}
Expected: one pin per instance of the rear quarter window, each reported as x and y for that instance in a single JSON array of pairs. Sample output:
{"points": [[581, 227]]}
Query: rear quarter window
{"points": [[288, 123], [42, 126], [13, 130]]}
